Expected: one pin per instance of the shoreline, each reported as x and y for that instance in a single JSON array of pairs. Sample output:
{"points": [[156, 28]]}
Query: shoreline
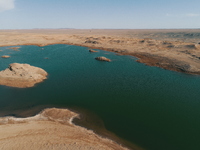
{"points": [[145, 58], [77, 117], [171, 55], [91, 121]]}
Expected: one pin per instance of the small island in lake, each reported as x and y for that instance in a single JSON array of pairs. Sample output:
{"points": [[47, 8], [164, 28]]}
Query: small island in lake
{"points": [[22, 75]]}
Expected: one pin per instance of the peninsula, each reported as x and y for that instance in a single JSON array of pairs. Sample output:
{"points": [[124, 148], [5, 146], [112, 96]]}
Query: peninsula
{"points": [[51, 129]]}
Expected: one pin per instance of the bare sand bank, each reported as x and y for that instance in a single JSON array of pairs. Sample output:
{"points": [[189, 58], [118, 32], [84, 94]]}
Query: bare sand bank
{"points": [[51, 129], [177, 50]]}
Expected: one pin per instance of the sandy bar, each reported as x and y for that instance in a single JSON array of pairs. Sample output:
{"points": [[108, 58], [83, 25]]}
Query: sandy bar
{"points": [[177, 50]]}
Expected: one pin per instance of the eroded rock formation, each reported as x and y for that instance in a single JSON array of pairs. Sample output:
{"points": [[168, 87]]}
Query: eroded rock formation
{"points": [[102, 59], [5, 56], [92, 51], [22, 75]]}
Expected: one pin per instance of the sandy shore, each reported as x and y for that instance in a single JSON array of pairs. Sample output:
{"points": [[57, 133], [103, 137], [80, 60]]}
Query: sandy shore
{"points": [[51, 129], [177, 50]]}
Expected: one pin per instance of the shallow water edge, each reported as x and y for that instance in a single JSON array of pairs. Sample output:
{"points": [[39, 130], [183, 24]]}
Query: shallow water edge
{"points": [[85, 119]]}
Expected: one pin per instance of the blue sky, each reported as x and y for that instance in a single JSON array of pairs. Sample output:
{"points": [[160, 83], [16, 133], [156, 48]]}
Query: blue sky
{"points": [[87, 14]]}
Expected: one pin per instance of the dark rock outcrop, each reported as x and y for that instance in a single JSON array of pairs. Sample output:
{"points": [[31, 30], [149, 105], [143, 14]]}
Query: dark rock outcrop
{"points": [[91, 42], [92, 51], [102, 59]]}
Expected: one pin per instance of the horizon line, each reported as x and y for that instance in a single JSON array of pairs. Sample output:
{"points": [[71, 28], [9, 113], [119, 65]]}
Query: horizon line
{"points": [[103, 28]]}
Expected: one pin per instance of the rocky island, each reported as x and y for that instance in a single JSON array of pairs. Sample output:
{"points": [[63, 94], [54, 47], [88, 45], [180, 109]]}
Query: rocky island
{"points": [[92, 51], [102, 58], [22, 75], [5, 56]]}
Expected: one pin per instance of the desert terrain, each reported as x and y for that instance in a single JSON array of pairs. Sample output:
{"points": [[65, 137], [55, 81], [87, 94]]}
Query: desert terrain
{"points": [[51, 129], [177, 50]]}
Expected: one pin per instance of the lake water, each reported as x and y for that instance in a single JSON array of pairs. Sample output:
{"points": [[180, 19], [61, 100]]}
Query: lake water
{"points": [[152, 107]]}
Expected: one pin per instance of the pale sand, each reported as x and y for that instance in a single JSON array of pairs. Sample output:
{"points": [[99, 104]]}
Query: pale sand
{"points": [[51, 129], [162, 48]]}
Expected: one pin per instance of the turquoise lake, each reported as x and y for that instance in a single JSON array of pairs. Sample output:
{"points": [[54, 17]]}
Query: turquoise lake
{"points": [[155, 108]]}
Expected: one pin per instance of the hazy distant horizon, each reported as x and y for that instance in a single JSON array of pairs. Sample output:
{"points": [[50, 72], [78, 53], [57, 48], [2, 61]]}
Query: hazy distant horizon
{"points": [[104, 14], [106, 29]]}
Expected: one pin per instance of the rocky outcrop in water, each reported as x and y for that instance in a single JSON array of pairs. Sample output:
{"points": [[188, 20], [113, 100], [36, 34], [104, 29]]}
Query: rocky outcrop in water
{"points": [[22, 75], [5, 56], [14, 48], [92, 51], [102, 59]]}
